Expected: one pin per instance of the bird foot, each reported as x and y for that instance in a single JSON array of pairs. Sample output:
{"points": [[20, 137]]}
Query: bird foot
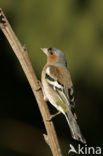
{"points": [[40, 86], [53, 115]]}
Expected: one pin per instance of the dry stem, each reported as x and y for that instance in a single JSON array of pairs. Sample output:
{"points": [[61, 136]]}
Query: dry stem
{"points": [[22, 55]]}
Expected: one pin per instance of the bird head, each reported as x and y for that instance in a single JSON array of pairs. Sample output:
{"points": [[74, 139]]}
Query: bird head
{"points": [[54, 56]]}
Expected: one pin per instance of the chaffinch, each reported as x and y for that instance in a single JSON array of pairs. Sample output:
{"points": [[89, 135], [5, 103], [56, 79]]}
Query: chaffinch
{"points": [[58, 88]]}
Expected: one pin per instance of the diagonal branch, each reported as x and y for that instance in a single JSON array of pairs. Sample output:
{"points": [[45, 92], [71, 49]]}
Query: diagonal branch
{"points": [[24, 60]]}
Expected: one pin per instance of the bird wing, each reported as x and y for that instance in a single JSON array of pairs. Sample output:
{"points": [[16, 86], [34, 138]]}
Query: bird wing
{"points": [[59, 79]]}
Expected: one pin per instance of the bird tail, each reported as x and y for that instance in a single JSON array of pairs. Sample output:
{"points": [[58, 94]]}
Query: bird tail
{"points": [[74, 128]]}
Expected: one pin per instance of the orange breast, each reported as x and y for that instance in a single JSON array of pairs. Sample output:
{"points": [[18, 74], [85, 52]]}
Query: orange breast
{"points": [[52, 59]]}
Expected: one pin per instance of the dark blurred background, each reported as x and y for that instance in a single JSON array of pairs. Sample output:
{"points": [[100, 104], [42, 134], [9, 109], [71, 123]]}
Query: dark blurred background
{"points": [[75, 27]]}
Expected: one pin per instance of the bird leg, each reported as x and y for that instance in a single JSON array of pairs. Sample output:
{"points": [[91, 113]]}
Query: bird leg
{"points": [[53, 115]]}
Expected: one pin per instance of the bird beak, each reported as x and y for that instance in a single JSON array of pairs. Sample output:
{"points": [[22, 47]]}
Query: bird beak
{"points": [[45, 50]]}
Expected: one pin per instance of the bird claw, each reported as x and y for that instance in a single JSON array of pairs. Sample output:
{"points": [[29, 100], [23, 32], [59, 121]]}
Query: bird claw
{"points": [[40, 86]]}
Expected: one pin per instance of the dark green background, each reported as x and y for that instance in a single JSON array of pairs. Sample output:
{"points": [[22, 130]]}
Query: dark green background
{"points": [[75, 27]]}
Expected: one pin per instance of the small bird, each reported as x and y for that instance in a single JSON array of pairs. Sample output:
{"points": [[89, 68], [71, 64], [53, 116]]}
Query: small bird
{"points": [[58, 88]]}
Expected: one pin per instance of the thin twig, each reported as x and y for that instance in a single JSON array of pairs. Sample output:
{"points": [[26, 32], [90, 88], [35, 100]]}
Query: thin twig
{"points": [[22, 55]]}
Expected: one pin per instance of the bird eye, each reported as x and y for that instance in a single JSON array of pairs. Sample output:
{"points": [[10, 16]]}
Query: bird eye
{"points": [[51, 53]]}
